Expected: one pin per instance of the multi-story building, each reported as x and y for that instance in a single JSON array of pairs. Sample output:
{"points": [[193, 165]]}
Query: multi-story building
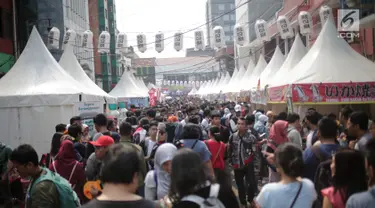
{"points": [[76, 17], [145, 68], [246, 14], [6, 36], [103, 18], [214, 17]]}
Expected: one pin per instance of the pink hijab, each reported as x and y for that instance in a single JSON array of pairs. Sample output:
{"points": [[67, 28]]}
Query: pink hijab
{"points": [[278, 134]]}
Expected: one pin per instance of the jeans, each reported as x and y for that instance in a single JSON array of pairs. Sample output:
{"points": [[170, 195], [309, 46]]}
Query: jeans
{"points": [[251, 188]]}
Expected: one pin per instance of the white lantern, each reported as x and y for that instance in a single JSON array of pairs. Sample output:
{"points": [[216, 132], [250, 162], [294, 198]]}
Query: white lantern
{"points": [[159, 42], [104, 42], [121, 43], [239, 34], [284, 27], [219, 37], [325, 12], [87, 40], [54, 38], [261, 30], [141, 43], [199, 40], [305, 22], [69, 38], [178, 41]]}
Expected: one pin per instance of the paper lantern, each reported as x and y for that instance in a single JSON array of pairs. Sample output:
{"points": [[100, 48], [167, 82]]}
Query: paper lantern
{"points": [[305, 22], [69, 38], [325, 12], [141, 43], [178, 41], [104, 42], [121, 43], [159, 42], [239, 34], [261, 30], [87, 40], [284, 27], [219, 37], [54, 38], [199, 39]]}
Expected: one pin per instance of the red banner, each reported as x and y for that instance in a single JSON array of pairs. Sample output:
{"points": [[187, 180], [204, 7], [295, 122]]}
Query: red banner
{"points": [[326, 93], [152, 97]]}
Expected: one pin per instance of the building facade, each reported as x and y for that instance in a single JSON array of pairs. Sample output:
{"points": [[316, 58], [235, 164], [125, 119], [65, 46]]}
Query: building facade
{"points": [[76, 17], [206, 52], [214, 17], [103, 18]]}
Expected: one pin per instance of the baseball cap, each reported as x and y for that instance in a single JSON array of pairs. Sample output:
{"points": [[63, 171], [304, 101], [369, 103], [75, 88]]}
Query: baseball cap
{"points": [[103, 141]]}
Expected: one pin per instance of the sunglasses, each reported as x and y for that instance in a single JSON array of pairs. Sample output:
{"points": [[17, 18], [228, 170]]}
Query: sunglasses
{"points": [[161, 132]]}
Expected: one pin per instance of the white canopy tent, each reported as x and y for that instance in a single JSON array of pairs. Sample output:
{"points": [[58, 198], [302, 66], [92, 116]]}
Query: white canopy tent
{"points": [[332, 60], [273, 66], [234, 75], [202, 86], [68, 61], [138, 83], [246, 77], [192, 91], [216, 90], [212, 90], [142, 84], [150, 86], [36, 94], [233, 84], [297, 52], [207, 88], [261, 65], [127, 88], [225, 82]]}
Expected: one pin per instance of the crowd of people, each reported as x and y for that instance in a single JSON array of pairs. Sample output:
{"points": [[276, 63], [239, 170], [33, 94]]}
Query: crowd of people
{"points": [[198, 154]]}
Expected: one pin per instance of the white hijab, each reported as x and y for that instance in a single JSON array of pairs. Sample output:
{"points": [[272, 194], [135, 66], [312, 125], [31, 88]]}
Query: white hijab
{"points": [[164, 153]]}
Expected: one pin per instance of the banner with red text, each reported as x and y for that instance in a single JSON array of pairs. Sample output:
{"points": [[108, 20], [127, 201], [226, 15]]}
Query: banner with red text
{"points": [[360, 92], [152, 97]]}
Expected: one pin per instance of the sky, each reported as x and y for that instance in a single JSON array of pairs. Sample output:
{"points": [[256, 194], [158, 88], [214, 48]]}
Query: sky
{"points": [[168, 16]]}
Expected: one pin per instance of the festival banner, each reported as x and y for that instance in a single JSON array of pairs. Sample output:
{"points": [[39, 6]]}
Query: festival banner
{"points": [[259, 96], [355, 92], [152, 97]]}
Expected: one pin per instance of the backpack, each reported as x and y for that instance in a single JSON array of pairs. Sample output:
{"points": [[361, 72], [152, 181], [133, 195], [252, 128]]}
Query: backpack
{"points": [[211, 201], [323, 176], [68, 198], [71, 173]]}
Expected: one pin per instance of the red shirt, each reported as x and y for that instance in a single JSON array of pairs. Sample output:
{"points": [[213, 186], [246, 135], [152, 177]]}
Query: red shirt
{"points": [[217, 159]]}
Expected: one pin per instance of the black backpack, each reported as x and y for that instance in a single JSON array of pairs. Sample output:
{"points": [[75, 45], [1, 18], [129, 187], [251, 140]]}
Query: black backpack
{"points": [[323, 175]]}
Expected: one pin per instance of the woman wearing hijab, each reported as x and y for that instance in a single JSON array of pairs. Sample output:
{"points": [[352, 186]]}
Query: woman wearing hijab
{"points": [[260, 125], [157, 181], [278, 135], [67, 166]]}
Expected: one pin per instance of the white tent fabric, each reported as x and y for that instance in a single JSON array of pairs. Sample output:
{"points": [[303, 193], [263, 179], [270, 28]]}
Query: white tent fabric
{"points": [[216, 89], [36, 79], [297, 52], [212, 90], [150, 86], [332, 60], [138, 84], [261, 65], [273, 66], [36, 94], [225, 83], [246, 77], [126, 88], [232, 81], [68, 61], [207, 88], [192, 91], [202, 88], [142, 84]]}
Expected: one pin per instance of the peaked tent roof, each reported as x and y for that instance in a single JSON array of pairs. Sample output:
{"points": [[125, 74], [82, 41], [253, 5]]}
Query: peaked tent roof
{"points": [[233, 81], [261, 65], [246, 77], [297, 52], [332, 60], [36, 79], [68, 61], [138, 84], [273, 66], [126, 88]]}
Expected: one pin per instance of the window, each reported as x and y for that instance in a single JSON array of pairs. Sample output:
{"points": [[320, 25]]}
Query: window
{"points": [[226, 17], [221, 7], [232, 17]]}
